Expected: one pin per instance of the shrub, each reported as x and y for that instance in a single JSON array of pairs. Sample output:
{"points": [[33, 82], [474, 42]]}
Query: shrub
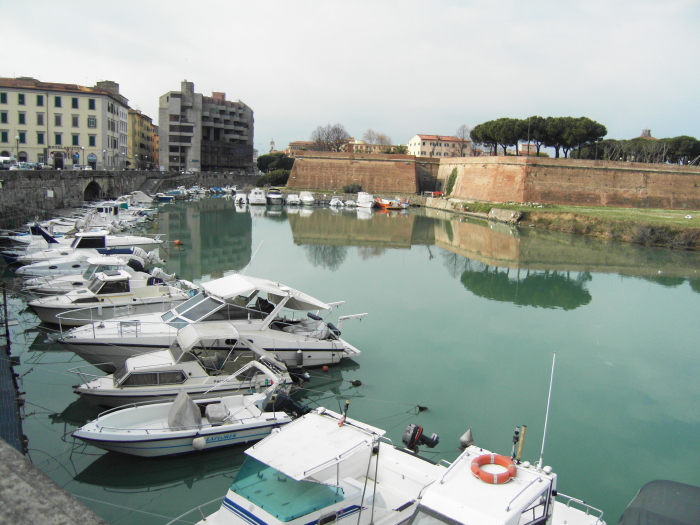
{"points": [[451, 182], [274, 178], [352, 188]]}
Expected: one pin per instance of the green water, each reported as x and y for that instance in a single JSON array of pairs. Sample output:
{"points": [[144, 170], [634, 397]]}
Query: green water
{"points": [[464, 318]]}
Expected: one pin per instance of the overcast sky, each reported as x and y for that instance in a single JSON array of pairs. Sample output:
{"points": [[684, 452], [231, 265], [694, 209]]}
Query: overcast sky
{"points": [[398, 67]]}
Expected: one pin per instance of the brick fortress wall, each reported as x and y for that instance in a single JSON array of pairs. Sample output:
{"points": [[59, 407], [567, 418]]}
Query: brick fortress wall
{"points": [[375, 173], [572, 181]]}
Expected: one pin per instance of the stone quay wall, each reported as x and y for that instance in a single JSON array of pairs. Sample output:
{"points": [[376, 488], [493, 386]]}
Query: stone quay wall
{"points": [[28, 194], [572, 181], [322, 170]]}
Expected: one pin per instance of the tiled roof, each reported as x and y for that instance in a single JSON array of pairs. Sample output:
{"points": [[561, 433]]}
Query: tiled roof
{"points": [[32, 83], [441, 137]]}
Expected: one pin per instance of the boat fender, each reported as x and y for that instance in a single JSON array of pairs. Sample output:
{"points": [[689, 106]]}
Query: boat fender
{"points": [[491, 477], [300, 358], [199, 443], [333, 329], [178, 242], [314, 317]]}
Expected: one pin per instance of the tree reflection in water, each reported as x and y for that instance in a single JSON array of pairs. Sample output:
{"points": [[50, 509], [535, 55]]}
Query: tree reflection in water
{"points": [[541, 290], [326, 256]]}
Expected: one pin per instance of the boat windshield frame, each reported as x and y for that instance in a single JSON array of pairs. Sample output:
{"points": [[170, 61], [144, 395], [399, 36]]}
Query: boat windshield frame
{"points": [[305, 497], [181, 315], [426, 516]]}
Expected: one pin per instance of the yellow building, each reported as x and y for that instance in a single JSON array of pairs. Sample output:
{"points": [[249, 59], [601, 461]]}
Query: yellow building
{"points": [[63, 125], [142, 143]]}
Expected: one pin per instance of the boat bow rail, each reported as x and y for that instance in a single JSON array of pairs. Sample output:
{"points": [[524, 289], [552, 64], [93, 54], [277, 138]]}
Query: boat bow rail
{"points": [[589, 510]]}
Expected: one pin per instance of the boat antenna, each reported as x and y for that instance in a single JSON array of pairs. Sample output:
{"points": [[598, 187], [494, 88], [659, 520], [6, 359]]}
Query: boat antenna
{"points": [[546, 417], [251, 259]]}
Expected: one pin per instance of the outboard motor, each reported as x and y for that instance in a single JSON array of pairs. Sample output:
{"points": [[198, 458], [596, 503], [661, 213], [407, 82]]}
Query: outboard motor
{"points": [[284, 402], [135, 264], [413, 437]]}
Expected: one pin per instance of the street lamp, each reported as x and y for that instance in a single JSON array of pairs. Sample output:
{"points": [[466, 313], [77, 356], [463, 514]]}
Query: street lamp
{"points": [[82, 153], [104, 151], [17, 152]]}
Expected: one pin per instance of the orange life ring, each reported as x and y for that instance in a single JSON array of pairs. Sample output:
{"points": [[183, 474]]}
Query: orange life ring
{"points": [[490, 477]]}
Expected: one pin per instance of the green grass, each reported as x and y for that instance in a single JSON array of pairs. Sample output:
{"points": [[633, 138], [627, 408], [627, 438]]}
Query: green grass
{"points": [[646, 215]]}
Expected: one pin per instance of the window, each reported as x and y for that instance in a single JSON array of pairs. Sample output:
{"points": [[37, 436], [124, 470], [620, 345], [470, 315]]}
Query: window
{"points": [[3, 136], [40, 100], [57, 139], [74, 102], [115, 287], [20, 99], [57, 102], [76, 139], [57, 119], [92, 140], [22, 119], [3, 117], [39, 119], [174, 118], [91, 103], [22, 137], [40, 137], [3, 98], [74, 121], [92, 122]]}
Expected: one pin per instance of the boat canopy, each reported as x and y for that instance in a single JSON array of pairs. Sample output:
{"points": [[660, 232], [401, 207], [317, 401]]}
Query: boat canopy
{"points": [[241, 285], [318, 443], [192, 334], [663, 502]]}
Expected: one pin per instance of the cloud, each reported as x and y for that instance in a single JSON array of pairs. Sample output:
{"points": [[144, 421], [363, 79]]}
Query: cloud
{"points": [[398, 67]]}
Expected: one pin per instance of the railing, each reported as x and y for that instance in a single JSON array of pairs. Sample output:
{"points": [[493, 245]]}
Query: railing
{"points": [[84, 376], [589, 510]]}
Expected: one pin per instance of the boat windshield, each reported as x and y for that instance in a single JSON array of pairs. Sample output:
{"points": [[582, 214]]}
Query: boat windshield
{"points": [[279, 495], [95, 286], [191, 310], [119, 374], [91, 270], [426, 516]]}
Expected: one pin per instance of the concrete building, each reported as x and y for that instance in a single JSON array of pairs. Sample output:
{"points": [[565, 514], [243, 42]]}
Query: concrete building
{"points": [[198, 133], [63, 124], [142, 141], [439, 146]]}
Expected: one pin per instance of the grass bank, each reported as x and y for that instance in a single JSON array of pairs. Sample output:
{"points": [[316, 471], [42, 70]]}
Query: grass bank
{"points": [[676, 229]]}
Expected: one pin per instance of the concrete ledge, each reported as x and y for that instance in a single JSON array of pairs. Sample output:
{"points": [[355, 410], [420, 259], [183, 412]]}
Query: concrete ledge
{"points": [[29, 497]]}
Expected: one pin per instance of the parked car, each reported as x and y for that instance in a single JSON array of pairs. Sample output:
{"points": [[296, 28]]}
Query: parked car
{"points": [[88, 168]]}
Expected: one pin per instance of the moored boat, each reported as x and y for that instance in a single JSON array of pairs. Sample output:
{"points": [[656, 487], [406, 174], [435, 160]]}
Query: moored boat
{"points": [[274, 196], [341, 468], [257, 196], [186, 425], [306, 198], [365, 200]]}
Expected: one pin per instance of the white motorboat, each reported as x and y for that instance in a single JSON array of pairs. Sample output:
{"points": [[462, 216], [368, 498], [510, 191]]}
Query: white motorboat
{"points": [[365, 200], [78, 261], [257, 196], [336, 202], [306, 198], [341, 468], [293, 199], [134, 266], [109, 295], [201, 358], [350, 203], [91, 241], [241, 198], [185, 425], [261, 310], [274, 196]]}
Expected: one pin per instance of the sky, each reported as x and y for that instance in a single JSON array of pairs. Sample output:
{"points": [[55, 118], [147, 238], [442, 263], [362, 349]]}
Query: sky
{"points": [[398, 67]]}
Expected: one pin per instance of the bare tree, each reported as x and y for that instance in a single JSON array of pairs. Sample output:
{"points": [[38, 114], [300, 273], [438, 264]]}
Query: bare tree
{"points": [[463, 133], [330, 138], [370, 136], [383, 139]]}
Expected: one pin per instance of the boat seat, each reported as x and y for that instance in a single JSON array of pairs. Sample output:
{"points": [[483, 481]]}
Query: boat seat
{"points": [[216, 413]]}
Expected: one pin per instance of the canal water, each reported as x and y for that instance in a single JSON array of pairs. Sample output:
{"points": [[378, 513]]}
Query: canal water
{"points": [[464, 319]]}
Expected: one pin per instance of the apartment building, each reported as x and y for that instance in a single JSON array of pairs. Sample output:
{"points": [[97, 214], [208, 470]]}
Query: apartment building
{"points": [[63, 124], [200, 133], [438, 146], [142, 141]]}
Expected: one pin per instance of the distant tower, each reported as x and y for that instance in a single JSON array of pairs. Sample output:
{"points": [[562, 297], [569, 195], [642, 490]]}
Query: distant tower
{"points": [[272, 145], [646, 134]]}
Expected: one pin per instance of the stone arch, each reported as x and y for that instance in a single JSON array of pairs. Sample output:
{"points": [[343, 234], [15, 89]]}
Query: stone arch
{"points": [[4, 153], [93, 192], [57, 159], [22, 157]]}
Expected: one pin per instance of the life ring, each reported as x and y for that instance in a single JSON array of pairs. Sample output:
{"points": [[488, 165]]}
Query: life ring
{"points": [[490, 477]]}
